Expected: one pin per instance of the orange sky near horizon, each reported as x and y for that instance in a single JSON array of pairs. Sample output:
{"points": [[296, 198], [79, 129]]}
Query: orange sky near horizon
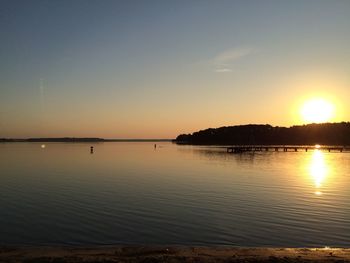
{"points": [[160, 69]]}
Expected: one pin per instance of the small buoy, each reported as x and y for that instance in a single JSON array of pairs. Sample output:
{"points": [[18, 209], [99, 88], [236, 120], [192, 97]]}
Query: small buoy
{"points": [[43, 146], [91, 149]]}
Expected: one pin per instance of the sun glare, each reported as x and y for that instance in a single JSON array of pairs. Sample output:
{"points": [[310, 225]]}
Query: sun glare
{"points": [[318, 168], [317, 111]]}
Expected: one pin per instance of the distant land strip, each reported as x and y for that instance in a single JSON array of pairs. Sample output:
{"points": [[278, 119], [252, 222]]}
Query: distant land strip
{"points": [[73, 139], [257, 134]]}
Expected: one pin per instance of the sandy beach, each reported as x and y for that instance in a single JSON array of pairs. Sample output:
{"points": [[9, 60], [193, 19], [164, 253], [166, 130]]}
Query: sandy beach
{"points": [[170, 254]]}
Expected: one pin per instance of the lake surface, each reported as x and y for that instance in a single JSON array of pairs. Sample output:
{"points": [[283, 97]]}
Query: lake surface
{"points": [[131, 193]]}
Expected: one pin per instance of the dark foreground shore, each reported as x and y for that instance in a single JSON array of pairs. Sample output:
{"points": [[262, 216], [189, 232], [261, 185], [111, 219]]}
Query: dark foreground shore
{"points": [[170, 254]]}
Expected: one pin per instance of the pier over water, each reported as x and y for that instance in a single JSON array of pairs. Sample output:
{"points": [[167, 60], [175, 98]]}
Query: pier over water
{"points": [[281, 148]]}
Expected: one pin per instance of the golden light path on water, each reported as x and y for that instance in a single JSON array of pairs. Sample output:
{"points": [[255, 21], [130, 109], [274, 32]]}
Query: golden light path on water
{"points": [[319, 170]]}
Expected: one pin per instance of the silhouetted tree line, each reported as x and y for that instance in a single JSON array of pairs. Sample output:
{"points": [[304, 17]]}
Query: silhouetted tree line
{"points": [[7, 140], [253, 134]]}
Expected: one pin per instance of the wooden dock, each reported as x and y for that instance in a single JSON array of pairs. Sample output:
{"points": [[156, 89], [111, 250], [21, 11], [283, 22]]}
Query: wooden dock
{"points": [[280, 148]]}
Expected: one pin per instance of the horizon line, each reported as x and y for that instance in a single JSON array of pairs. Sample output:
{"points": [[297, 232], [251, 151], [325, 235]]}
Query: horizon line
{"points": [[155, 139]]}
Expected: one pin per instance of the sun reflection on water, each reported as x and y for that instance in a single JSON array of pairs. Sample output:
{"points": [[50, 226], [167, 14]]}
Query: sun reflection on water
{"points": [[319, 170]]}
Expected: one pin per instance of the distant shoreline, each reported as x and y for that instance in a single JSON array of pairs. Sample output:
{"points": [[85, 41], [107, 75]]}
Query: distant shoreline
{"points": [[169, 254], [72, 139]]}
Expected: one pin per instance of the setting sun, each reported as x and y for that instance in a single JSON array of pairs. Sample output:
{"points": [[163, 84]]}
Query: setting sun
{"points": [[317, 111]]}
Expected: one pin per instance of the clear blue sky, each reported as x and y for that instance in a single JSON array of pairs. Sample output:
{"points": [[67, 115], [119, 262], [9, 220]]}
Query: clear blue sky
{"points": [[154, 69]]}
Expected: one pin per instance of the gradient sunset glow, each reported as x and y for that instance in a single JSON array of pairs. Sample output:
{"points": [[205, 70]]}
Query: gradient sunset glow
{"points": [[156, 69]]}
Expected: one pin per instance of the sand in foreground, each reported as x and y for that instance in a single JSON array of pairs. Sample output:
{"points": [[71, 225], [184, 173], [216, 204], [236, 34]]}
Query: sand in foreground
{"points": [[170, 254]]}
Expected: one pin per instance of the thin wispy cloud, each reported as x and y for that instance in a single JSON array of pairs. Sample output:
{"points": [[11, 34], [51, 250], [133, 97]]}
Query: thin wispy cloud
{"points": [[224, 61], [223, 70]]}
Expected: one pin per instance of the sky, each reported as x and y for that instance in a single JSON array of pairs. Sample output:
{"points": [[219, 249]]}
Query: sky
{"points": [[156, 69]]}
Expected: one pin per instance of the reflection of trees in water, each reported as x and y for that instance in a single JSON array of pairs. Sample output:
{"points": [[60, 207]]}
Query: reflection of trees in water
{"points": [[222, 155], [218, 155]]}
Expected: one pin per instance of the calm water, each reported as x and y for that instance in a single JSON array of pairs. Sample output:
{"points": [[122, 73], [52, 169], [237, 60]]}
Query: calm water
{"points": [[130, 193]]}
